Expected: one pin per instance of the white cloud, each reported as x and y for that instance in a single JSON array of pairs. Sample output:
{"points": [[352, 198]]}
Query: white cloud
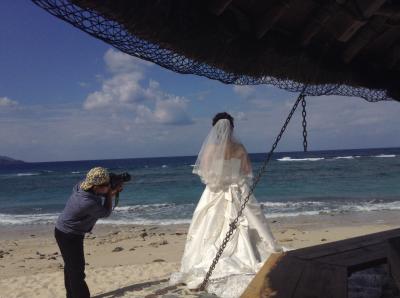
{"points": [[244, 91], [120, 89], [87, 135], [7, 102], [118, 62], [201, 95], [127, 89], [167, 111], [241, 116], [333, 122], [172, 111]]}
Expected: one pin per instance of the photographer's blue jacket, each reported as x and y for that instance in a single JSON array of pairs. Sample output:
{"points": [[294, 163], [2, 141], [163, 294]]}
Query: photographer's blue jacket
{"points": [[81, 212]]}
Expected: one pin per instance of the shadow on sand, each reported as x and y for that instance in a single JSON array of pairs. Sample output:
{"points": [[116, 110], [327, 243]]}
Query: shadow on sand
{"points": [[132, 288]]}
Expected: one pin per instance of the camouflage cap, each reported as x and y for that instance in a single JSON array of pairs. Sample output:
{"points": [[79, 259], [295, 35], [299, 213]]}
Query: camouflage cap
{"points": [[96, 176]]}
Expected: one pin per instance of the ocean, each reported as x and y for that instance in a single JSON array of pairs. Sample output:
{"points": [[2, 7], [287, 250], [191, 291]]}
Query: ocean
{"points": [[164, 190]]}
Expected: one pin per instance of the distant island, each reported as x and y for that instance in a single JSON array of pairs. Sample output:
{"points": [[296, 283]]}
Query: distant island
{"points": [[5, 160]]}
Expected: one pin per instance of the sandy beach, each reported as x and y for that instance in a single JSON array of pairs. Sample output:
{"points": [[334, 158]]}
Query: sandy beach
{"points": [[131, 261]]}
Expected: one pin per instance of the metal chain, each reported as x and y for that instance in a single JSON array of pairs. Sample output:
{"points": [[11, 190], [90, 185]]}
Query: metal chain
{"points": [[233, 224], [304, 114]]}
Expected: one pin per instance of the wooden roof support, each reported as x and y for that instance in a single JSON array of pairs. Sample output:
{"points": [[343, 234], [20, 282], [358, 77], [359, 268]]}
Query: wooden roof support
{"points": [[354, 22], [218, 6], [389, 11], [363, 38], [350, 30], [369, 7], [253, 42], [265, 22], [322, 16]]}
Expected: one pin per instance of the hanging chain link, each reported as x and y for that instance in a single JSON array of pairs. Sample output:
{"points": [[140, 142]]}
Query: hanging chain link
{"points": [[304, 114], [233, 224]]}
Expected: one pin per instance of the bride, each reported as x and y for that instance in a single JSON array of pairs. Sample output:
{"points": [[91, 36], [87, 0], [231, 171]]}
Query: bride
{"points": [[224, 167]]}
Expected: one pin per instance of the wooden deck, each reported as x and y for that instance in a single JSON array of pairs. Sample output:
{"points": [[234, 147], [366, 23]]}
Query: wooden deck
{"points": [[323, 270]]}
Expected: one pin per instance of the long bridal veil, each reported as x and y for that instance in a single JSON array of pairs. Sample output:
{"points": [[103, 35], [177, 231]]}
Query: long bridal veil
{"points": [[216, 153]]}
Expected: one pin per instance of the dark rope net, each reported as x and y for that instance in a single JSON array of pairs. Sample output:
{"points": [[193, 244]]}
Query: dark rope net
{"points": [[116, 35]]}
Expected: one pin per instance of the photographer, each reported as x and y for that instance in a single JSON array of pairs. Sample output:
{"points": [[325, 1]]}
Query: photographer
{"points": [[84, 207]]}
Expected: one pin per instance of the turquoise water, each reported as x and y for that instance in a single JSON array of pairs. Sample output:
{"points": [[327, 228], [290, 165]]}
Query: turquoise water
{"points": [[165, 191]]}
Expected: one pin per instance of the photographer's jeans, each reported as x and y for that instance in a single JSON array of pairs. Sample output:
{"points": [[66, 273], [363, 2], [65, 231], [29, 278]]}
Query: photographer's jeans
{"points": [[71, 247]]}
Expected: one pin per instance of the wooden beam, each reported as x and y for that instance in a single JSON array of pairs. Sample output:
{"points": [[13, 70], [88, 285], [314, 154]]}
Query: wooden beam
{"points": [[322, 280], [394, 259], [322, 16], [350, 30], [389, 11], [358, 259], [363, 38], [322, 270], [277, 278], [272, 15], [369, 7], [352, 22], [335, 247], [218, 6], [241, 18], [256, 286]]}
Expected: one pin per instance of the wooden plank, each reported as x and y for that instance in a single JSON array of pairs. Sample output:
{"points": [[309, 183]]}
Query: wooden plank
{"points": [[349, 30], [283, 279], [394, 259], [363, 37], [265, 22], [321, 271], [344, 245], [318, 21], [369, 7], [256, 286], [322, 280], [278, 278], [218, 6], [358, 259]]}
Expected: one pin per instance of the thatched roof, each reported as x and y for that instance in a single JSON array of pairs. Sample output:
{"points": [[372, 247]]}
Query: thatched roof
{"points": [[335, 47]]}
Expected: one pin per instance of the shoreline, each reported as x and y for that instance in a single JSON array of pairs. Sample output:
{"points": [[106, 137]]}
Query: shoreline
{"points": [[390, 217], [121, 255]]}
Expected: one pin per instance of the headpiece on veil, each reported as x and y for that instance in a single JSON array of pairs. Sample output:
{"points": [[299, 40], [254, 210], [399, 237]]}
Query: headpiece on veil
{"points": [[216, 154]]}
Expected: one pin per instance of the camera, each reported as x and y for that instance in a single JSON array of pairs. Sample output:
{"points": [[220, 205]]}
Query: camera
{"points": [[118, 179]]}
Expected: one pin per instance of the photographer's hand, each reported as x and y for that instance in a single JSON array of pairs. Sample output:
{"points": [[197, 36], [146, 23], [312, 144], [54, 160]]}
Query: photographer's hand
{"points": [[110, 196], [112, 192], [119, 188]]}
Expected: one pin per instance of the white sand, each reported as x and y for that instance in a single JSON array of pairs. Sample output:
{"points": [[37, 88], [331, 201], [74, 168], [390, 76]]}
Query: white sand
{"points": [[31, 266]]}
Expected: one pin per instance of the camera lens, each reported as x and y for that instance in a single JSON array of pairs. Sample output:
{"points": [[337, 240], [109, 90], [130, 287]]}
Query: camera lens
{"points": [[125, 177]]}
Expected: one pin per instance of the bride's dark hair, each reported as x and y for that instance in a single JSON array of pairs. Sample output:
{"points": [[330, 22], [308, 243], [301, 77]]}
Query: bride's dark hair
{"points": [[223, 115]]}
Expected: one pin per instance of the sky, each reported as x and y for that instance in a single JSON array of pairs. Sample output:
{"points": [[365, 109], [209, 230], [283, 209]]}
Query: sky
{"points": [[65, 95]]}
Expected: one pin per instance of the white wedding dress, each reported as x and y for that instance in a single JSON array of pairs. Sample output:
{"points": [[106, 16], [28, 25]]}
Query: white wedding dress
{"points": [[250, 246]]}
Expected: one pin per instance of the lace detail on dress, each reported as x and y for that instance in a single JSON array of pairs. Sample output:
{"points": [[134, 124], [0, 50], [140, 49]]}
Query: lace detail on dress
{"points": [[176, 278], [192, 279], [231, 286], [225, 287]]}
